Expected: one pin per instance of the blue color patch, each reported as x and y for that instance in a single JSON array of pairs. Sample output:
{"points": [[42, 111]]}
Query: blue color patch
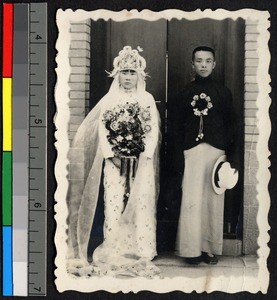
{"points": [[7, 261]]}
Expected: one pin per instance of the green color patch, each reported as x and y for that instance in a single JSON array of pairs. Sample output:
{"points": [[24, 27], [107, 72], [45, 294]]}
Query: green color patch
{"points": [[7, 188]]}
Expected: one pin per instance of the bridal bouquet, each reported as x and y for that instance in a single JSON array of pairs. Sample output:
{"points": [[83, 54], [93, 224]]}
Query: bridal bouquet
{"points": [[127, 125]]}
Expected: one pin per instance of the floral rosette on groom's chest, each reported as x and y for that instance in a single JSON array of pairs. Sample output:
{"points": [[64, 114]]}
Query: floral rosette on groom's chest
{"points": [[201, 105]]}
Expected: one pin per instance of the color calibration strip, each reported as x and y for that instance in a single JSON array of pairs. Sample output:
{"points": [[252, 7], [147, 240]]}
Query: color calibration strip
{"points": [[24, 164], [20, 99], [7, 81]]}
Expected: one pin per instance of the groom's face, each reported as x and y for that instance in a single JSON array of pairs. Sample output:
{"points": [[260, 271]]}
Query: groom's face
{"points": [[203, 63]]}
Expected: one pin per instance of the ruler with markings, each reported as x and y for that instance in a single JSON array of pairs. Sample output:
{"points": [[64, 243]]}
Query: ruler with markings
{"points": [[37, 240]]}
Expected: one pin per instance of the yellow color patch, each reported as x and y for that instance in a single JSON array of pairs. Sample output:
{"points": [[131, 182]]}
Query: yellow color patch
{"points": [[7, 114]]}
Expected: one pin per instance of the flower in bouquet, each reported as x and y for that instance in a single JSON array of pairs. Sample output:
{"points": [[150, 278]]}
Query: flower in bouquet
{"points": [[127, 127]]}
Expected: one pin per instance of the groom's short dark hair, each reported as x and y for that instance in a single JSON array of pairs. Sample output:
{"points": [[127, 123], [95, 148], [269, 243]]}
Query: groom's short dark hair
{"points": [[203, 48]]}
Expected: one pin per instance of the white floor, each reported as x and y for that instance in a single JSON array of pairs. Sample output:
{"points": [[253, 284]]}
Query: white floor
{"points": [[172, 266]]}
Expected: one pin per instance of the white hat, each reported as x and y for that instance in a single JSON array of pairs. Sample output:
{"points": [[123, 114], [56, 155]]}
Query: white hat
{"points": [[227, 176]]}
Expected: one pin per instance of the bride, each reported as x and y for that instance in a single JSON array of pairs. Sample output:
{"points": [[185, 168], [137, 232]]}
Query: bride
{"points": [[123, 130]]}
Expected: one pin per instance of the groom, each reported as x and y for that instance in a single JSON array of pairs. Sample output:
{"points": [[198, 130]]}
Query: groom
{"points": [[204, 132]]}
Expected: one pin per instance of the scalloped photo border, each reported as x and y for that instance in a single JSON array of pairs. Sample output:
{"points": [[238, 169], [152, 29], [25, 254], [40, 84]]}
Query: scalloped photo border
{"points": [[230, 283]]}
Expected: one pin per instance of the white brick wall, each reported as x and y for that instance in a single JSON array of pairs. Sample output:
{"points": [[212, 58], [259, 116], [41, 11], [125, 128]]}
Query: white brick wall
{"points": [[250, 229], [79, 57], [79, 83]]}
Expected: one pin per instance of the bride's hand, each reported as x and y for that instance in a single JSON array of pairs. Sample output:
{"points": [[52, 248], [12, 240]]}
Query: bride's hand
{"points": [[116, 161]]}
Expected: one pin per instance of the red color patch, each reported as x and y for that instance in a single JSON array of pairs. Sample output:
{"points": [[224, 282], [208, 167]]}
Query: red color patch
{"points": [[7, 39]]}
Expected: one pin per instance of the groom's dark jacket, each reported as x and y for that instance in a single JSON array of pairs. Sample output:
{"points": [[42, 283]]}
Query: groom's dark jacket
{"points": [[219, 125]]}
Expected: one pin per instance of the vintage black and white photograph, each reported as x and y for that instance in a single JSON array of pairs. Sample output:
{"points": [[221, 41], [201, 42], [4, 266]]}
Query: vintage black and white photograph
{"points": [[162, 158]]}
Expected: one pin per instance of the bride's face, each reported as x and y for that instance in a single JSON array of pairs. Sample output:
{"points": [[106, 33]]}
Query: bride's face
{"points": [[128, 79]]}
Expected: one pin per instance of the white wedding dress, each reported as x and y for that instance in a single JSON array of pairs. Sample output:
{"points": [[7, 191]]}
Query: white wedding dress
{"points": [[130, 237]]}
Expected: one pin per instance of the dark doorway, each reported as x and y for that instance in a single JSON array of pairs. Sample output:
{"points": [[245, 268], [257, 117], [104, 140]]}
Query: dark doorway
{"points": [[167, 47], [227, 38]]}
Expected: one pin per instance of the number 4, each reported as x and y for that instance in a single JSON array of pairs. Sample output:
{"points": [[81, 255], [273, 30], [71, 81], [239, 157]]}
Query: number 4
{"points": [[38, 37]]}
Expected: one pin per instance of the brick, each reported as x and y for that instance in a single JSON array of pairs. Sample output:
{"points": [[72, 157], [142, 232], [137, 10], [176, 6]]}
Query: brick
{"points": [[79, 86], [251, 138], [73, 146], [84, 103], [250, 195], [79, 27], [71, 136], [250, 218], [80, 37], [87, 110], [77, 103], [72, 132], [250, 121], [76, 189], [250, 104], [77, 111], [251, 37], [250, 112], [250, 145], [250, 96], [80, 45], [251, 62], [79, 53], [250, 159], [251, 87], [77, 153], [76, 171], [79, 78], [250, 21], [251, 70], [251, 130], [250, 175], [251, 28], [86, 21], [251, 46], [250, 214], [80, 70], [250, 242], [78, 95], [79, 61], [251, 54], [76, 120], [87, 103], [73, 128], [250, 79], [250, 246]]}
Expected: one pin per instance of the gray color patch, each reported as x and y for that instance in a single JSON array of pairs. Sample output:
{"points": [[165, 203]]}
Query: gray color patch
{"points": [[20, 49], [20, 215], [20, 146], [20, 112], [20, 80], [20, 179], [21, 17]]}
